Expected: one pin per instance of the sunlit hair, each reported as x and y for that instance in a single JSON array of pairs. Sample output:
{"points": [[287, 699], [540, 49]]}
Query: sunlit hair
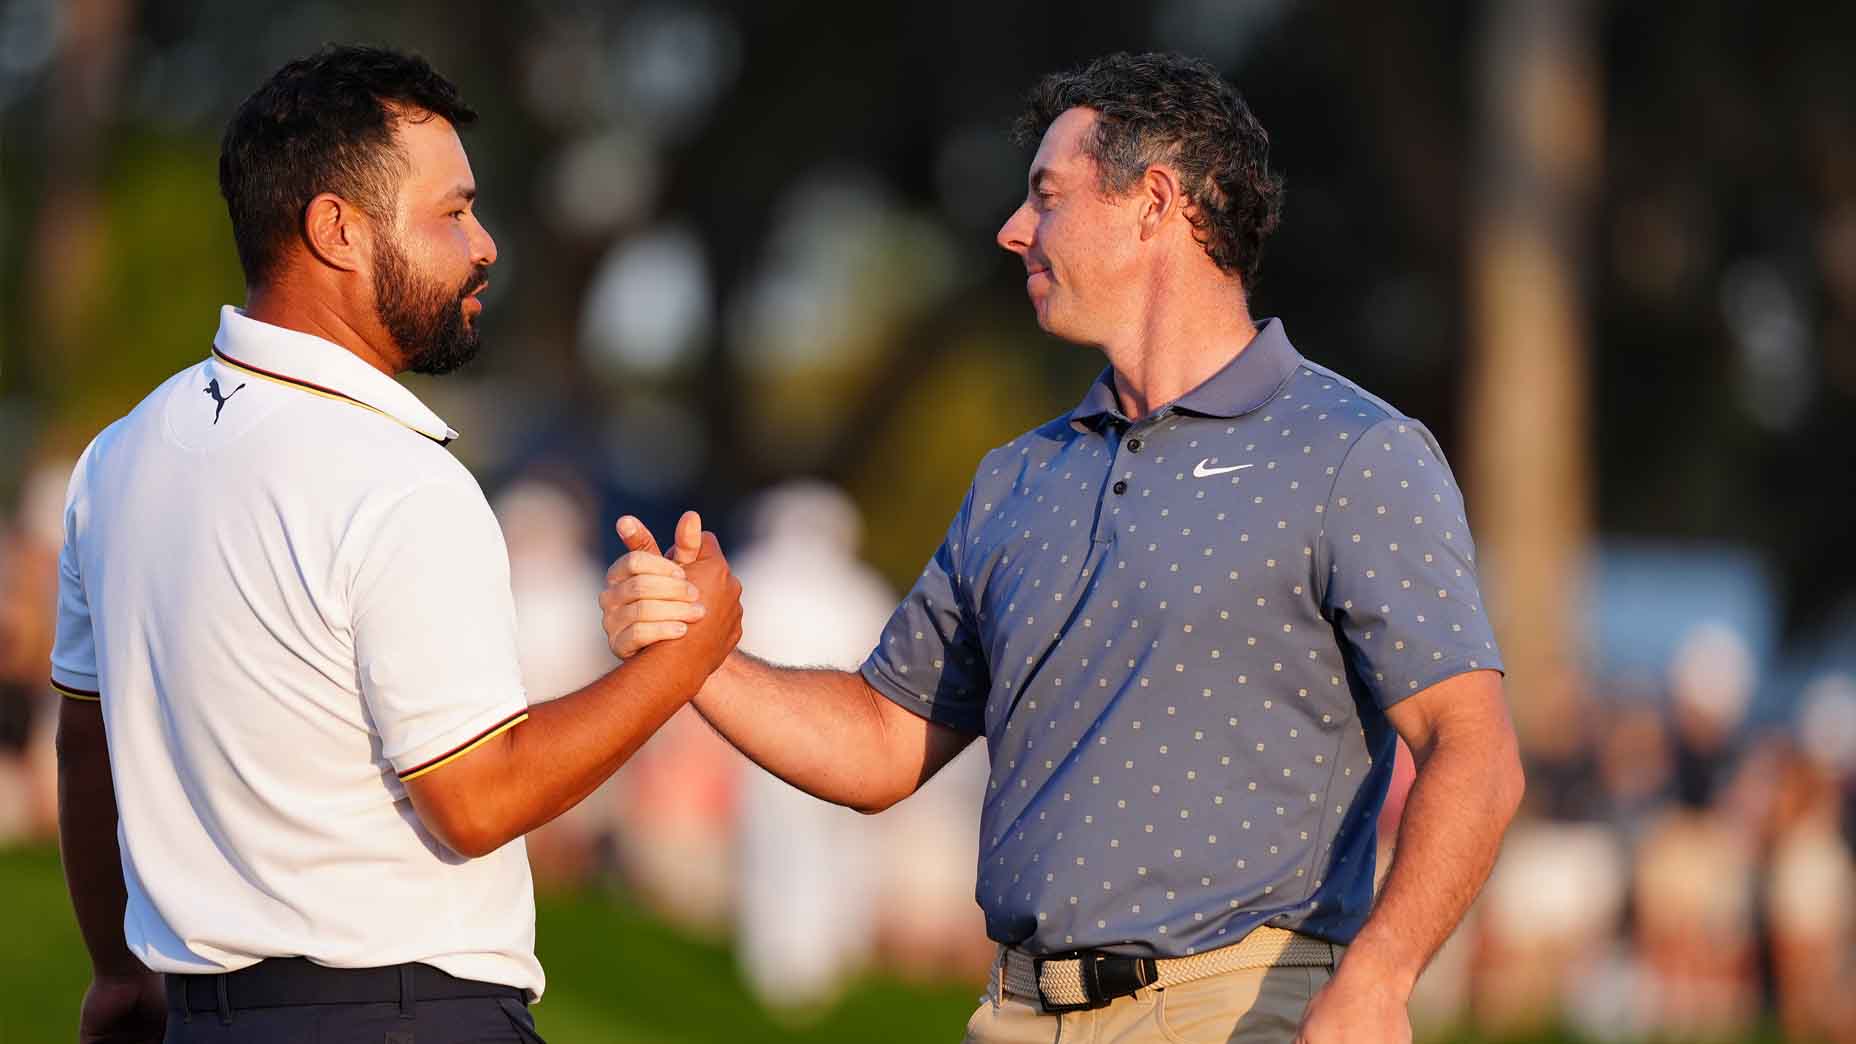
{"points": [[323, 124], [1168, 109]]}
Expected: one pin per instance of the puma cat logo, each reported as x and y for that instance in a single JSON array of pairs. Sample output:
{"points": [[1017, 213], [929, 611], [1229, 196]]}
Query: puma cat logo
{"points": [[212, 388]]}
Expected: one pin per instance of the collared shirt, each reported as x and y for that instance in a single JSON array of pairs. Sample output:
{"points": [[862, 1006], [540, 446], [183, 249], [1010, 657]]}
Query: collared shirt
{"points": [[1179, 636], [290, 598]]}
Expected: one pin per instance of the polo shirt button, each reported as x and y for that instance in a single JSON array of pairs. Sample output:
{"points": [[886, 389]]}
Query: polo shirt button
{"points": [[1134, 445], [1121, 486]]}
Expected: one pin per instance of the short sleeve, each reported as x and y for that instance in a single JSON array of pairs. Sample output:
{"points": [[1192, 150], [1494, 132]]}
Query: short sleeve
{"points": [[434, 627], [74, 646], [1402, 588], [929, 659]]}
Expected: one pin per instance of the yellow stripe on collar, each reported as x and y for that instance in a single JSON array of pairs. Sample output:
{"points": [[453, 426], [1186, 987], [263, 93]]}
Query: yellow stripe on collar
{"points": [[317, 389]]}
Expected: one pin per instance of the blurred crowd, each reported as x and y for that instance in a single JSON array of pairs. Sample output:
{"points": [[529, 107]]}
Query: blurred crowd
{"points": [[1682, 866]]}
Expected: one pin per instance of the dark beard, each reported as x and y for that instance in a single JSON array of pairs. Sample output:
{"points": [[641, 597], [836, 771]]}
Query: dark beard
{"points": [[426, 320]]}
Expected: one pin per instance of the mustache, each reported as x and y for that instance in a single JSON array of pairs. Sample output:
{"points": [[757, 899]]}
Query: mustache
{"points": [[479, 278]]}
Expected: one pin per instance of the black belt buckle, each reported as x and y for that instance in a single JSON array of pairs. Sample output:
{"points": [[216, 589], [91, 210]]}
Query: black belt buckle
{"points": [[1105, 976]]}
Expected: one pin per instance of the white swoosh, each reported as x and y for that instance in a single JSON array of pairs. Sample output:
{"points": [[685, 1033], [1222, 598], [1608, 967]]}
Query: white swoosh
{"points": [[1199, 470]]}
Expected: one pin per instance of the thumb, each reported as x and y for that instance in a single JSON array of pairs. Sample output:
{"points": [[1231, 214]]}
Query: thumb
{"points": [[635, 536], [689, 538], [711, 547]]}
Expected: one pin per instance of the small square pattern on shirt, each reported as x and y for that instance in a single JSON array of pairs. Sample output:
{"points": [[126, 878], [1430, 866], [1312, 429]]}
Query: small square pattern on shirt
{"points": [[1179, 636]]}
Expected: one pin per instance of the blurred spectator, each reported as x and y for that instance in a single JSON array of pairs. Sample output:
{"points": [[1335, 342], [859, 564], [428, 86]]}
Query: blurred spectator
{"points": [[677, 810], [1693, 898], [1634, 767], [1710, 682], [1563, 782], [821, 885], [1810, 897], [28, 588], [555, 580], [1548, 913]]}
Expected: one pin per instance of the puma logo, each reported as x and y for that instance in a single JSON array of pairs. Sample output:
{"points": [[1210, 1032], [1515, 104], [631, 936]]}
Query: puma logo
{"points": [[212, 388]]}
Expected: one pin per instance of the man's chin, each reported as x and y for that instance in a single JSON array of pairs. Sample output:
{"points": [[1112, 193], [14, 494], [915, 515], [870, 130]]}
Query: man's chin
{"points": [[452, 359], [1050, 323]]}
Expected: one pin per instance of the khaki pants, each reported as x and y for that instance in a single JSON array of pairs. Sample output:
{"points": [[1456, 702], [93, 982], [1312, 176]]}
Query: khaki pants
{"points": [[1251, 1006]]}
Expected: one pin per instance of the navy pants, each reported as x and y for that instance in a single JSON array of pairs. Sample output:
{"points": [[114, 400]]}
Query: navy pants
{"points": [[291, 1002]]}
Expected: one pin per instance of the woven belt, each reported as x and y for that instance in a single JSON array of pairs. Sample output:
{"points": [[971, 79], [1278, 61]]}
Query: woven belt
{"points": [[1091, 979]]}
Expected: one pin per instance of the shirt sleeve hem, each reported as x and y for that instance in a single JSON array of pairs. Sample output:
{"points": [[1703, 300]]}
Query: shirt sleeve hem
{"points": [[72, 691], [971, 724], [1444, 672], [77, 685], [458, 741]]}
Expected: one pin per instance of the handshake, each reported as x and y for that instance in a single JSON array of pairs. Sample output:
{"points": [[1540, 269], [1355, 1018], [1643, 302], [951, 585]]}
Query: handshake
{"points": [[689, 600]]}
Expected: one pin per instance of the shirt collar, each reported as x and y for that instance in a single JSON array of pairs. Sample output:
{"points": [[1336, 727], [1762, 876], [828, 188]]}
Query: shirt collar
{"points": [[1248, 381], [321, 367]]}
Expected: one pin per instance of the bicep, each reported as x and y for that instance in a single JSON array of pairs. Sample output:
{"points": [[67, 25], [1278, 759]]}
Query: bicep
{"points": [[925, 745], [450, 797]]}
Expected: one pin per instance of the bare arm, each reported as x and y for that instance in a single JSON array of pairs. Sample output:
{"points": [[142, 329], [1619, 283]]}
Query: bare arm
{"points": [[531, 773], [1467, 789], [125, 1001], [828, 733]]}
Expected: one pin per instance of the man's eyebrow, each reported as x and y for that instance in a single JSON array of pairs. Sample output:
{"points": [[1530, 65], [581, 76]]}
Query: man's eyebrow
{"points": [[1040, 178], [467, 193]]}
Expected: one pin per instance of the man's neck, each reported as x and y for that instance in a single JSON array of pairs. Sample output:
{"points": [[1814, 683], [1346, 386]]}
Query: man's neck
{"points": [[304, 313], [1178, 344]]}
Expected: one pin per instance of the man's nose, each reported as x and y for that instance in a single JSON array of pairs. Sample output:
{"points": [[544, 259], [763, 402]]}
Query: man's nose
{"points": [[1015, 234], [483, 247]]}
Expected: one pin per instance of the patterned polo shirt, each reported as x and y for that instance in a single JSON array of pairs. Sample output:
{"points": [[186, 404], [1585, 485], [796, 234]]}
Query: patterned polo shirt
{"points": [[1179, 636]]}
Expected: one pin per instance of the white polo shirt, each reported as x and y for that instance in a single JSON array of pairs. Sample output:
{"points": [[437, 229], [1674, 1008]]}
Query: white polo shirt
{"points": [[290, 598]]}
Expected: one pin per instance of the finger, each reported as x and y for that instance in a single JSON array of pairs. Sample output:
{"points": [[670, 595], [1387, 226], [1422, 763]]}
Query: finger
{"points": [[629, 642], [689, 537], [617, 619], [635, 535], [666, 588], [642, 588], [653, 611], [637, 563], [710, 547]]}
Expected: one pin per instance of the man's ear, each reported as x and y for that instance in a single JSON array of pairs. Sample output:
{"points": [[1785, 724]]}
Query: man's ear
{"points": [[337, 232], [1162, 197]]}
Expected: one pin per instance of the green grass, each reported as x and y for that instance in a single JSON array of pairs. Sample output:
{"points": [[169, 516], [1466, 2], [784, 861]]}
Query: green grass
{"points": [[616, 975]]}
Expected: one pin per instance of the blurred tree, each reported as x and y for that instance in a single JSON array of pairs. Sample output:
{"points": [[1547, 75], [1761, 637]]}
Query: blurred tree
{"points": [[1529, 462]]}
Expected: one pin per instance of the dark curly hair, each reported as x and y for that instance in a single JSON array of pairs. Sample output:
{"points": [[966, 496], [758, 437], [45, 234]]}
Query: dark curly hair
{"points": [[323, 124], [1167, 108]]}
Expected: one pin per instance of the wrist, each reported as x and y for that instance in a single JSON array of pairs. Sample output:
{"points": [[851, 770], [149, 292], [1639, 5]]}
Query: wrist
{"points": [[1367, 966]]}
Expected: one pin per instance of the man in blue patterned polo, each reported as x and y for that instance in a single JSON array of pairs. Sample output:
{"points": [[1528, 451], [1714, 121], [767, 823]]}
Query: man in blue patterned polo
{"points": [[1191, 617]]}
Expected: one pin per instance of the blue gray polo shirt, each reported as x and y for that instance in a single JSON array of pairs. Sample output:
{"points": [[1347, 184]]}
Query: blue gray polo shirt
{"points": [[1179, 636]]}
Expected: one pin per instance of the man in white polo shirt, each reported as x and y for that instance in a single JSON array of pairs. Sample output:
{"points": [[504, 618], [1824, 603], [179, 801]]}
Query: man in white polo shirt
{"points": [[297, 759]]}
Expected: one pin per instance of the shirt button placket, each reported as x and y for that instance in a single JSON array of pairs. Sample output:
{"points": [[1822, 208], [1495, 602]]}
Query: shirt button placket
{"points": [[1133, 445]]}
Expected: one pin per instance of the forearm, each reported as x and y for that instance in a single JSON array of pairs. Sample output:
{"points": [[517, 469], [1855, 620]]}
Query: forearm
{"points": [[826, 732], [569, 746], [87, 840], [1461, 802]]}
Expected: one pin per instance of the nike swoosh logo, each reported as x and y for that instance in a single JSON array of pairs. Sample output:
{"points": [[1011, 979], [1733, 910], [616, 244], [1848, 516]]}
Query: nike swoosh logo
{"points": [[1199, 470]]}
